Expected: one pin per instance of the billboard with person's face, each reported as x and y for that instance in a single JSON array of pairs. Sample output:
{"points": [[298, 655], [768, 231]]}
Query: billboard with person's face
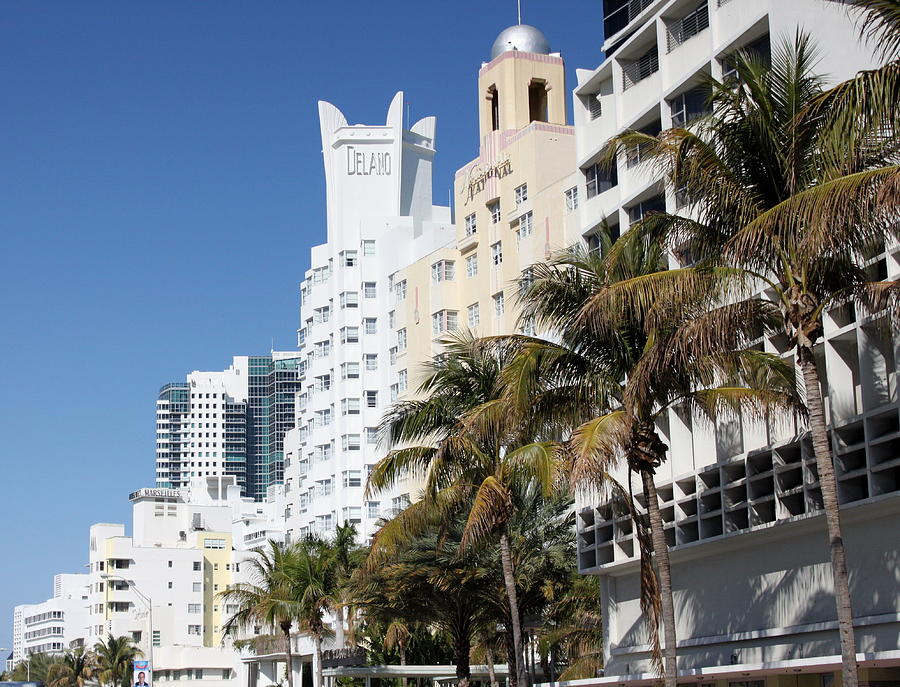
{"points": [[142, 674]]}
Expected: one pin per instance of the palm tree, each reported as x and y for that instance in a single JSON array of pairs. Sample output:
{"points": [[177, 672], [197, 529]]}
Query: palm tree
{"points": [[114, 657], [76, 668], [313, 571], [35, 668], [635, 340], [432, 578], [270, 600], [776, 193], [576, 629], [476, 452], [347, 558]]}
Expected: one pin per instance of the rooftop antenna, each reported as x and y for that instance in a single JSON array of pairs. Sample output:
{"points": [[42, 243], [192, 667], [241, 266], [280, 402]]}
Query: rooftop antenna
{"points": [[519, 5]]}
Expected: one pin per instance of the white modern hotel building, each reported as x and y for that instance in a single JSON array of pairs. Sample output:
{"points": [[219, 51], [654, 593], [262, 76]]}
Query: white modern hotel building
{"points": [[741, 503]]}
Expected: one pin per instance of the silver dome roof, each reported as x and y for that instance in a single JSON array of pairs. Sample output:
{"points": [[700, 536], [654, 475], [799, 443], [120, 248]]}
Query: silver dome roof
{"points": [[521, 37]]}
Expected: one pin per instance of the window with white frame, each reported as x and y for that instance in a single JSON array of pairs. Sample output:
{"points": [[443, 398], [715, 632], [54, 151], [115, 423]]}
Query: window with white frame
{"points": [[497, 253], [499, 304], [402, 380], [322, 314], [352, 478], [369, 289], [444, 321], [349, 335], [371, 360], [392, 319], [322, 349], [473, 315], [395, 392], [349, 299], [401, 339], [443, 270], [597, 179], [371, 325], [368, 247], [193, 629], [572, 199], [400, 290], [373, 510], [323, 382], [195, 608], [350, 442], [526, 225], [494, 209], [352, 514], [323, 417], [471, 225], [371, 399], [350, 259], [349, 370], [521, 193], [688, 106], [471, 265], [349, 406], [371, 435], [392, 355]]}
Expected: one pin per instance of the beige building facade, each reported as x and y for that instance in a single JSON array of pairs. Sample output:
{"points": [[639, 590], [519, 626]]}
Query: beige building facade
{"points": [[513, 204]]}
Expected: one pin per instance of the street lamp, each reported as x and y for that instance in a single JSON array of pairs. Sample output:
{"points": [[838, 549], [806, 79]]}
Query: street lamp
{"points": [[146, 599]]}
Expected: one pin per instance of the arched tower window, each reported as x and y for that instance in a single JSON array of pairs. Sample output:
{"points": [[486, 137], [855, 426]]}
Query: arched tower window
{"points": [[537, 100], [494, 99]]}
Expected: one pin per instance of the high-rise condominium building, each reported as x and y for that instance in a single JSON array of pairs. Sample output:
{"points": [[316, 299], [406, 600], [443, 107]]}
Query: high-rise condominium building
{"points": [[741, 500], [380, 218], [231, 422]]}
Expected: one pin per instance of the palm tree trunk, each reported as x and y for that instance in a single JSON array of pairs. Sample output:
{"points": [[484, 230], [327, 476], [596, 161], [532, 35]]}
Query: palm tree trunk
{"points": [[402, 650], [461, 650], [318, 676], [510, 582], [490, 664], [289, 656], [828, 485], [664, 573], [339, 625]]}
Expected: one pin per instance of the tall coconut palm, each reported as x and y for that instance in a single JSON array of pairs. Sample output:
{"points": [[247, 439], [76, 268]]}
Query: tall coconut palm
{"points": [[270, 599], [475, 451], [348, 556], [114, 660], [774, 192], [76, 668], [633, 341], [313, 572]]}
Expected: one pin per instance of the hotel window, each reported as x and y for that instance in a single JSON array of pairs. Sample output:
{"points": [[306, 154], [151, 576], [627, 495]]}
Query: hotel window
{"points": [[395, 392], [528, 327], [472, 265], [349, 335], [371, 325], [193, 629], [197, 566], [392, 319], [521, 194], [499, 304], [371, 435], [473, 314], [323, 382], [400, 290], [349, 370], [527, 278], [352, 514], [638, 211], [572, 199], [198, 586], [597, 180], [352, 478], [494, 209], [157, 640], [369, 289], [350, 442], [497, 253], [349, 299], [402, 380], [350, 259], [368, 247], [688, 26], [373, 509], [526, 225], [321, 315], [371, 361], [194, 608], [639, 69], [401, 339], [214, 543], [371, 399], [349, 406], [443, 321], [689, 106], [470, 224], [443, 270]]}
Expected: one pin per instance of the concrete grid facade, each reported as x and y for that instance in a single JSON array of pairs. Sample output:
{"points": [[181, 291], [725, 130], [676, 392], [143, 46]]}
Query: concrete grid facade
{"points": [[741, 500]]}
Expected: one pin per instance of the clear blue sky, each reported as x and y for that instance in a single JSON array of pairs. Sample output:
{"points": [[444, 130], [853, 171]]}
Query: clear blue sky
{"points": [[160, 187]]}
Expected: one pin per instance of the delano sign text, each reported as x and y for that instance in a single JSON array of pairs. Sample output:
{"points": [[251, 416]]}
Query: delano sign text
{"points": [[361, 163]]}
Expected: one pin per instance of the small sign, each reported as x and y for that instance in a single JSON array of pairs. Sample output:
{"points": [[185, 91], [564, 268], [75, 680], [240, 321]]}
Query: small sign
{"points": [[336, 658], [142, 674]]}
